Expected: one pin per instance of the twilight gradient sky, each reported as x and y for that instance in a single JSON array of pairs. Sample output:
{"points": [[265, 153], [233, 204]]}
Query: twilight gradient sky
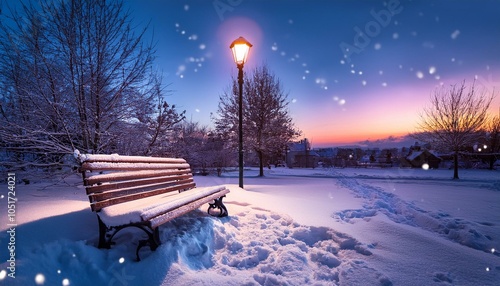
{"points": [[343, 87]]}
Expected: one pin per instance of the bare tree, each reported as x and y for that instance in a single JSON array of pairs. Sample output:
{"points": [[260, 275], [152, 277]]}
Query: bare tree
{"points": [[267, 125], [75, 74], [201, 147], [454, 119]]}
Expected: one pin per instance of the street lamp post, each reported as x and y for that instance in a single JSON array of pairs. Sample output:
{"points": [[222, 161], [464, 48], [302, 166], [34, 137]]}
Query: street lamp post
{"points": [[240, 48]]}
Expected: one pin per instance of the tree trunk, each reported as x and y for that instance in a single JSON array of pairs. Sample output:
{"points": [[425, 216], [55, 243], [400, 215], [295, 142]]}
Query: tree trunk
{"points": [[455, 166], [491, 161], [261, 164]]}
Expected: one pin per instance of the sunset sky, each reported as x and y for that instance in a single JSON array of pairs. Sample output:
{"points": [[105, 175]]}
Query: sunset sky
{"points": [[343, 86]]}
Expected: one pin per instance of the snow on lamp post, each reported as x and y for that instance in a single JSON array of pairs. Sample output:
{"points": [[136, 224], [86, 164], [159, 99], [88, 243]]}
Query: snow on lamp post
{"points": [[240, 48]]}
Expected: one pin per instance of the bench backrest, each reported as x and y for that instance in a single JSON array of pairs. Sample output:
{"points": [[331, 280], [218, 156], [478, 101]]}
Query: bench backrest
{"points": [[114, 179]]}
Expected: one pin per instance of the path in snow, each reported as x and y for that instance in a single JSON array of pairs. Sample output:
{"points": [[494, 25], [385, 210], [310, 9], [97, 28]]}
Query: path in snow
{"points": [[379, 200]]}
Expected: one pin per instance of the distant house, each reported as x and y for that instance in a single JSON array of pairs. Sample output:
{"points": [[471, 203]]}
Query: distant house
{"points": [[300, 155], [326, 156], [417, 158]]}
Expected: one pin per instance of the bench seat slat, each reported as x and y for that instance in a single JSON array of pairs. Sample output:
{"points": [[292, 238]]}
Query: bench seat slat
{"points": [[132, 175], [135, 211], [97, 206], [111, 166], [136, 183], [161, 219], [180, 200]]}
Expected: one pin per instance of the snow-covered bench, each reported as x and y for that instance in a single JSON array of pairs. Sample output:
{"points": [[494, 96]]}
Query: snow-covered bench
{"points": [[143, 192]]}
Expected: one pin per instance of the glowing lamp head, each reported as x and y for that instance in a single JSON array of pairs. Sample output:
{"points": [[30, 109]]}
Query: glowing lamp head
{"points": [[240, 48]]}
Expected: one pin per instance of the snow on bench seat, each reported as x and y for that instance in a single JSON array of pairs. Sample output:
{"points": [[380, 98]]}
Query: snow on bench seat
{"points": [[148, 208]]}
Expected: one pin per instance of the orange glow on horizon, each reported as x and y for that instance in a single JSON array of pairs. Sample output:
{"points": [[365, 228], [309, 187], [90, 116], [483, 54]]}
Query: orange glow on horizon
{"points": [[325, 140]]}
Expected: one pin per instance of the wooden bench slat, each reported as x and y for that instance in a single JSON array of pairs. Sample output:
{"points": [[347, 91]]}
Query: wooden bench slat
{"points": [[111, 166], [135, 183], [131, 175], [97, 206], [161, 219], [180, 200], [128, 159], [146, 189]]}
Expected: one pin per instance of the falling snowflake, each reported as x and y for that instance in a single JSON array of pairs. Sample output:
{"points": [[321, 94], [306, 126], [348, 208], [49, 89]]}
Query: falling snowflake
{"points": [[39, 279], [181, 69], [274, 47]]}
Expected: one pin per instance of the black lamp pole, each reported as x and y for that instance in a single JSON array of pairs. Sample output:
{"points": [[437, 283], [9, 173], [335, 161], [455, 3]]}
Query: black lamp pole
{"points": [[240, 124]]}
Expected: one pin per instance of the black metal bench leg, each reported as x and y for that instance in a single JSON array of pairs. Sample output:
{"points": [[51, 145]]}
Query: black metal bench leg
{"points": [[218, 204], [103, 233], [106, 235], [153, 241]]}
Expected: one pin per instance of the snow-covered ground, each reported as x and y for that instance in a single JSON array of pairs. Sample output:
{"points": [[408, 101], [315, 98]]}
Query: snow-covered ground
{"points": [[292, 227]]}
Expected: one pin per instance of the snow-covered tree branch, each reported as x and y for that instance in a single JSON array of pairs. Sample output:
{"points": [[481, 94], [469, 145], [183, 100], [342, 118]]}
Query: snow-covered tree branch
{"points": [[74, 74]]}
